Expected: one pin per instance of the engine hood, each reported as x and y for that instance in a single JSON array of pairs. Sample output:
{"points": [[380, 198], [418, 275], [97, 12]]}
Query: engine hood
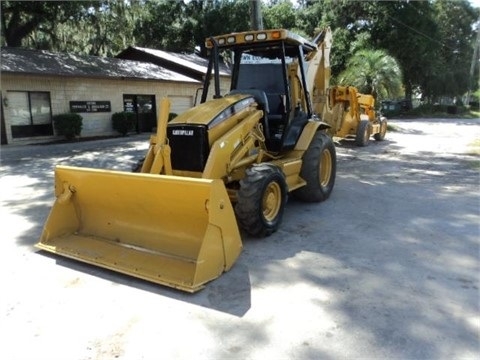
{"points": [[214, 111]]}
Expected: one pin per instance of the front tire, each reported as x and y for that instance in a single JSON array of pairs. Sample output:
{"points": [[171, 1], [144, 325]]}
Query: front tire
{"points": [[363, 133], [261, 200], [318, 170], [383, 130]]}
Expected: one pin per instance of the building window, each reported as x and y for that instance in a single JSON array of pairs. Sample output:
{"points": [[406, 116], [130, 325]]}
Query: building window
{"points": [[30, 113]]}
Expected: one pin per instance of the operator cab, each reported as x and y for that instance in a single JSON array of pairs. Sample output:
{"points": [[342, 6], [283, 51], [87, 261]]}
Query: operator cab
{"points": [[269, 65]]}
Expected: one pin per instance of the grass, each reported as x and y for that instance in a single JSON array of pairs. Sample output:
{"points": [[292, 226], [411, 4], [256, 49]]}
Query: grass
{"points": [[475, 114], [474, 147], [392, 128]]}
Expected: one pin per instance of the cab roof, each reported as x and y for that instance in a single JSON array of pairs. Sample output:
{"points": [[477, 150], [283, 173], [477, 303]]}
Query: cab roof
{"points": [[259, 38]]}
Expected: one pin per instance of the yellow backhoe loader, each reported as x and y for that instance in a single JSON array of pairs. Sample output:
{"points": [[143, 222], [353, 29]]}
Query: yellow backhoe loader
{"points": [[352, 114], [224, 165]]}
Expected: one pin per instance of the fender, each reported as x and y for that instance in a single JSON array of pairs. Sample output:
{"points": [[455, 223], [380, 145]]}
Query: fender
{"points": [[308, 132]]}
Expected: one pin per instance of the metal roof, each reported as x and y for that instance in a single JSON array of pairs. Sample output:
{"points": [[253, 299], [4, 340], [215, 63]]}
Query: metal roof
{"points": [[41, 62], [189, 64]]}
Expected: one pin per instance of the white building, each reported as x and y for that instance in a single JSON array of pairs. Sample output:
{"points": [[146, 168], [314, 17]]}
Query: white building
{"points": [[36, 85]]}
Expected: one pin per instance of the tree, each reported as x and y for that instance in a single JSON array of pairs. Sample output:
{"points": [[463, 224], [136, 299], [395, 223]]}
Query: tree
{"points": [[179, 26], [432, 41], [416, 33], [279, 15], [93, 27], [162, 25], [351, 23], [457, 38], [21, 19], [373, 72], [107, 27], [224, 16]]}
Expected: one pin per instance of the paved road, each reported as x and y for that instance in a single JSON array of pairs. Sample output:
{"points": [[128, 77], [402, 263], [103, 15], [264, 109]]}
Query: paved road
{"points": [[386, 268]]}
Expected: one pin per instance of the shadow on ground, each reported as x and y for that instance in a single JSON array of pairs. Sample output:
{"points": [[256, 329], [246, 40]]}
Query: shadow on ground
{"points": [[396, 242]]}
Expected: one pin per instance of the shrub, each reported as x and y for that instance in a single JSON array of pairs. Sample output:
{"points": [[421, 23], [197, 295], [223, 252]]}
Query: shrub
{"points": [[123, 122], [68, 125], [474, 105]]}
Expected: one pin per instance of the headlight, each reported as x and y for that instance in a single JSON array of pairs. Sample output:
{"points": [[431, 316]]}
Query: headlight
{"points": [[261, 36]]}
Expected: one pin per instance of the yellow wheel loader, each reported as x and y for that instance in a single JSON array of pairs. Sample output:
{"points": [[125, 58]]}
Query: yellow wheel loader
{"points": [[352, 114], [227, 164]]}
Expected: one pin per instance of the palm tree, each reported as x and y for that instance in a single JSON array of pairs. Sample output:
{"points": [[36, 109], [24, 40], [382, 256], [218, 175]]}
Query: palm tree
{"points": [[373, 72]]}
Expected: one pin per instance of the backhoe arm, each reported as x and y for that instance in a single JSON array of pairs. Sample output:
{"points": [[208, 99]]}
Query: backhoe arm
{"points": [[318, 72]]}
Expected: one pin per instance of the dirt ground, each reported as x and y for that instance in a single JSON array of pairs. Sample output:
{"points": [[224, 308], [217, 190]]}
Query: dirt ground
{"points": [[388, 267]]}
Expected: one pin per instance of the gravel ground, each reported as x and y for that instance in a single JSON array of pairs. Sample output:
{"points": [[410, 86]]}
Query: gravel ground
{"points": [[388, 267]]}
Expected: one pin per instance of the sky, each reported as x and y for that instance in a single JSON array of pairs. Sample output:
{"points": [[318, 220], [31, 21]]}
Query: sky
{"points": [[475, 3]]}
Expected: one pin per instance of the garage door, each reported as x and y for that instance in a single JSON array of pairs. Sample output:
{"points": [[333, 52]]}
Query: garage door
{"points": [[180, 103]]}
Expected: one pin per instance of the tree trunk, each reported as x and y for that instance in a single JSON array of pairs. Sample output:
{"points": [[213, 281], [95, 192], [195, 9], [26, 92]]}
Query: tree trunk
{"points": [[408, 90], [15, 31]]}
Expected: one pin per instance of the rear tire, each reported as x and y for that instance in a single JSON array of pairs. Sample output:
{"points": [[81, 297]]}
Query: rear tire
{"points": [[363, 133], [261, 200], [318, 170], [383, 130]]}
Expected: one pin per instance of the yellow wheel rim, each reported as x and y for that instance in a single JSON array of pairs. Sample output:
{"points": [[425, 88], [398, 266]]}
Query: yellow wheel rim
{"points": [[384, 128], [325, 168], [272, 200], [367, 134]]}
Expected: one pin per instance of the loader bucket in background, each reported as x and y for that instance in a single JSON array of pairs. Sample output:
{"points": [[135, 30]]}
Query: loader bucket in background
{"points": [[176, 231]]}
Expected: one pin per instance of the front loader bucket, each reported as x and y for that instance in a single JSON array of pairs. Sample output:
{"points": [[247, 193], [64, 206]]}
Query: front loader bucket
{"points": [[176, 231]]}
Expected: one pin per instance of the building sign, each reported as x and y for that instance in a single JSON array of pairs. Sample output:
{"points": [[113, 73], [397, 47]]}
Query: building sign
{"points": [[128, 104], [90, 106]]}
